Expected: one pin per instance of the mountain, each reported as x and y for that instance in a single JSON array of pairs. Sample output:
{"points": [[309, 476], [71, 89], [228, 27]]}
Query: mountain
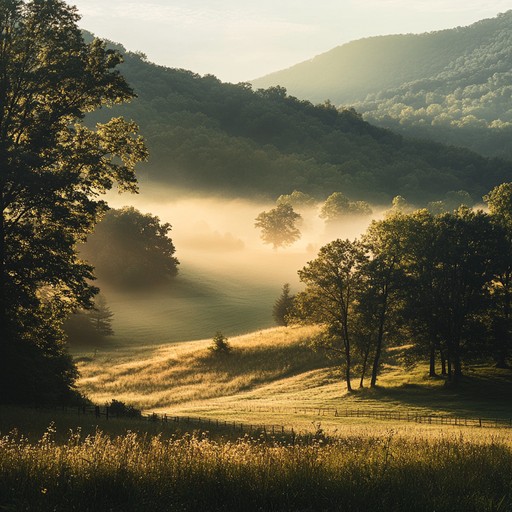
{"points": [[452, 85], [213, 136]]}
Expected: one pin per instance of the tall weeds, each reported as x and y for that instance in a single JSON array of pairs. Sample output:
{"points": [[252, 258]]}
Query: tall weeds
{"points": [[191, 473]]}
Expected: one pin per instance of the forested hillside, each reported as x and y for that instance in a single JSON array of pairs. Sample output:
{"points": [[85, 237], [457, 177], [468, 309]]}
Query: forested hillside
{"points": [[453, 85], [209, 135]]}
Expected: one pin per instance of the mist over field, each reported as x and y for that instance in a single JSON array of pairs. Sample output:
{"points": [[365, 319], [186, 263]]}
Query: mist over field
{"points": [[228, 278]]}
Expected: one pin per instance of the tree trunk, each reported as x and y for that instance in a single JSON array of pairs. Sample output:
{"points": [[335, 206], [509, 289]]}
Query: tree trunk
{"points": [[432, 370], [4, 321], [443, 362], [457, 368], [365, 364], [380, 335], [347, 369]]}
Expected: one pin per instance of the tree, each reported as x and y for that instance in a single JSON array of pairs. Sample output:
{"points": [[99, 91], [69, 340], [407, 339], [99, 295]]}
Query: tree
{"points": [[90, 326], [499, 201], [100, 316], [332, 281], [297, 199], [386, 241], [129, 248], [283, 306], [450, 260], [53, 168], [278, 226], [220, 344], [337, 206]]}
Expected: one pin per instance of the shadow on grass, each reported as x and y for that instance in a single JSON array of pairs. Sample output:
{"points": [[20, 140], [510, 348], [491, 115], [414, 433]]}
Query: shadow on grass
{"points": [[482, 391]]}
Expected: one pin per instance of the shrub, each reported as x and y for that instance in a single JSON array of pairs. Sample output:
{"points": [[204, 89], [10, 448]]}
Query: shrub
{"points": [[220, 344]]}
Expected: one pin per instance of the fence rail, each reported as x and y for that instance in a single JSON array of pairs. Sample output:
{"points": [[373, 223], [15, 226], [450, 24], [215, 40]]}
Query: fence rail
{"points": [[316, 414]]}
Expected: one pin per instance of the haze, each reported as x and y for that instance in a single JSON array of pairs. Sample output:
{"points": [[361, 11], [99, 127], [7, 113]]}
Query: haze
{"points": [[242, 40], [228, 279]]}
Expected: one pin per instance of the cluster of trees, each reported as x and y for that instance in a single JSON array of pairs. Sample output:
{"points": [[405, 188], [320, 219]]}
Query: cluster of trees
{"points": [[210, 135], [442, 282], [452, 86], [280, 225], [53, 170], [130, 249]]}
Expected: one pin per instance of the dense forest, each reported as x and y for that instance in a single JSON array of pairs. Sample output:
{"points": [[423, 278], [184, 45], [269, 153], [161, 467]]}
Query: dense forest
{"points": [[209, 135], [451, 86]]}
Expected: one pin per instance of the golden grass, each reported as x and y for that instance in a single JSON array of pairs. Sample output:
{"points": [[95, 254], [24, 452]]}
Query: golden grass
{"points": [[274, 377], [364, 471]]}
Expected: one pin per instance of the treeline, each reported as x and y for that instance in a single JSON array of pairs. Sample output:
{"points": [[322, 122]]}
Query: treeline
{"points": [[452, 85], [441, 282], [468, 103], [215, 136]]}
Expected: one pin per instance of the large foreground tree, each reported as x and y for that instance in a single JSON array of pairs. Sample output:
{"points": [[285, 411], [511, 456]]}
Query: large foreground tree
{"points": [[52, 170]]}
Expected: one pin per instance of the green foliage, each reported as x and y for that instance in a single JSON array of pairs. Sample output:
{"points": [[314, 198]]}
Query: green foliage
{"points": [[297, 200], [337, 206], [441, 282], [332, 280], [278, 225], [208, 135], [53, 170], [129, 248], [220, 344], [452, 86]]}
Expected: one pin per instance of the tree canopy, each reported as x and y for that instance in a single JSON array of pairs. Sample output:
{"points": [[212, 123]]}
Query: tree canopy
{"points": [[278, 225], [53, 169], [441, 283], [129, 248]]}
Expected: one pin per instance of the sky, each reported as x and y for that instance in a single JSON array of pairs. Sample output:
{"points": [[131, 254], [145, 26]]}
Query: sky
{"points": [[239, 40]]}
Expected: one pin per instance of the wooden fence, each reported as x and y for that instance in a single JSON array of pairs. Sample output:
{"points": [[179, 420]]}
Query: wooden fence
{"points": [[316, 414]]}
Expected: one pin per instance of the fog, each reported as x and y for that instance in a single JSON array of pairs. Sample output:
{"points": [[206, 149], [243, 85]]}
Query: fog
{"points": [[228, 278]]}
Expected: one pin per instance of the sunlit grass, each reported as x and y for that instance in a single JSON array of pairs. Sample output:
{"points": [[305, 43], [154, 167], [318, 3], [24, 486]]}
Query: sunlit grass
{"points": [[362, 471], [275, 377]]}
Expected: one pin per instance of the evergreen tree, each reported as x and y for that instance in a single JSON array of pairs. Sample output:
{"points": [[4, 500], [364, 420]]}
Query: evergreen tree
{"points": [[283, 306], [100, 317]]}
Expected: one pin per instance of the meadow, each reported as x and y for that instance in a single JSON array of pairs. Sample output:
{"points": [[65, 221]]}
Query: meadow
{"points": [[51, 460], [356, 471]]}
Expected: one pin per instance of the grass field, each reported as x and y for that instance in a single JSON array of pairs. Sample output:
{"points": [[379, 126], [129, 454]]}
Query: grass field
{"points": [[275, 377], [228, 279], [356, 471], [56, 461]]}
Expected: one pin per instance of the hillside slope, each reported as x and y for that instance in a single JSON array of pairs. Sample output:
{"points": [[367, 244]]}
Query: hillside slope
{"points": [[212, 136], [275, 373], [452, 85]]}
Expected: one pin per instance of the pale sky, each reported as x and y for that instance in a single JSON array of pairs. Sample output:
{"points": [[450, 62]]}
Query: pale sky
{"points": [[238, 40]]}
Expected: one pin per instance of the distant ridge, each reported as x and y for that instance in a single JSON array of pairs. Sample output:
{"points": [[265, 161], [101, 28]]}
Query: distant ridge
{"points": [[465, 73], [224, 138]]}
